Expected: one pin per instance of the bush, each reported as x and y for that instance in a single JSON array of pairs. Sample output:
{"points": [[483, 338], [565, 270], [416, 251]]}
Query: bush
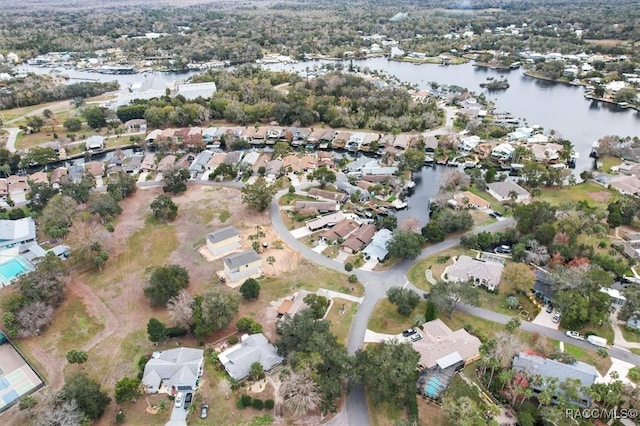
{"points": [[249, 325], [250, 289], [353, 278], [176, 331], [233, 340], [244, 401], [269, 404], [257, 404], [120, 417], [603, 353], [634, 375], [406, 300], [348, 267]]}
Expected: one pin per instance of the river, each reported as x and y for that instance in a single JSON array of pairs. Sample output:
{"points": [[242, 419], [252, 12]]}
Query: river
{"points": [[557, 106]]}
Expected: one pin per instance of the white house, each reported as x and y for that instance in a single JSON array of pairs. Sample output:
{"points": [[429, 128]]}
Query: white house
{"points": [[503, 191], [469, 143], [377, 249], [503, 151], [223, 241], [243, 265], [173, 370], [479, 271]]}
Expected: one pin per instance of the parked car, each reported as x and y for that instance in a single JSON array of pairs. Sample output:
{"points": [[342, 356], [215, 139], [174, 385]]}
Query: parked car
{"points": [[497, 214], [503, 249], [493, 215], [556, 318], [409, 332], [187, 400], [415, 337], [204, 411], [574, 335], [549, 308], [179, 398]]}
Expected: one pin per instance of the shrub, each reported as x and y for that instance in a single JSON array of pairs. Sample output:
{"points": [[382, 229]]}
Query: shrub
{"points": [[176, 331], [406, 300], [353, 278], [603, 352], [348, 267], [233, 340], [244, 401], [249, 325], [257, 404], [269, 404], [634, 375], [120, 417]]}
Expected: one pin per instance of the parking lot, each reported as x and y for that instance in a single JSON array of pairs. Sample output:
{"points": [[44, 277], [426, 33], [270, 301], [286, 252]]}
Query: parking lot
{"points": [[544, 319]]}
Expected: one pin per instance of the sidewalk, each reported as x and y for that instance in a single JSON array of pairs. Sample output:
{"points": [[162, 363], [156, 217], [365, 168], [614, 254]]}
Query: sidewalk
{"points": [[334, 294], [618, 339]]}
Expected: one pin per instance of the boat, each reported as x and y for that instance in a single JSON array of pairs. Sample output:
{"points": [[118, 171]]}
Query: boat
{"points": [[623, 105]]}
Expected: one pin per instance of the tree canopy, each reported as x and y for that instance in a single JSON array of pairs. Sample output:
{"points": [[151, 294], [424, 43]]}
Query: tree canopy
{"points": [[214, 311], [405, 245], [250, 289], [91, 400], [258, 195], [166, 282], [164, 208]]}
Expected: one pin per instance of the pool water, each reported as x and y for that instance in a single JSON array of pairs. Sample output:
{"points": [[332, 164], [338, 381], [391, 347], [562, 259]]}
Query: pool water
{"points": [[11, 269]]}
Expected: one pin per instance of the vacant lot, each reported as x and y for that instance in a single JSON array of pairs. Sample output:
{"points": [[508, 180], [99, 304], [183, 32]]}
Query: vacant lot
{"points": [[386, 319], [106, 312], [585, 191]]}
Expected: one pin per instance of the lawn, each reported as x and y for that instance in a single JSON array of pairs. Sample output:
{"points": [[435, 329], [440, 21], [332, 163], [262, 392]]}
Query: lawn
{"points": [[72, 326], [589, 357], [287, 199], [635, 351], [417, 271], [608, 162], [603, 330], [495, 204], [630, 336], [341, 314], [483, 326], [585, 191], [10, 114], [386, 319], [385, 414]]}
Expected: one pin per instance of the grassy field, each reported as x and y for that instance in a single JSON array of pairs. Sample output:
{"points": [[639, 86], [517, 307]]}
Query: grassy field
{"points": [[589, 357], [386, 319], [287, 199], [603, 330], [385, 414], [341, 314], [629, 335], [585, 191], [635, 351], [495, 204], [73, 326], [416, 273]]}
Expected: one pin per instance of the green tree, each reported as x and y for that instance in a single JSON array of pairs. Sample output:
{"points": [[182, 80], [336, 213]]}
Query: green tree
{"points": [[462, 410], [156, 330], [432, 232], [248, 325], [72, 124], [626, 94], [413, 159], [545, 233], [214, 311], [127, 389], [175, 180], [520, 276], [38, 156], [39, 195], [91, 400], [258, 195], [405, 245], [58, 215], [318, 304], [105, 206], [388, 371], [323, 175], [164, 208], [166, 282], [121, 186], [513, 324], [225, 170], [256, 371], [389, 222], [250, 289], [96, 117], [447, 296], [77, 357], [406, 300], [431, 311], [531, 216], [34, 122]]}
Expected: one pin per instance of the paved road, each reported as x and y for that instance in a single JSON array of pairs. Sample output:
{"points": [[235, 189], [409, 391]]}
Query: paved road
{"points": [[11, 140]]}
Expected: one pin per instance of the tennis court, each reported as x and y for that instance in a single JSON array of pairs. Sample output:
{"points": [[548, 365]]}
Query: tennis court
{"points": [[17, 378]]}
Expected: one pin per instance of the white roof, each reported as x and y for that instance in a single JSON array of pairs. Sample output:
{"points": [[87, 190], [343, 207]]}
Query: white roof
{"points": [[613, 293]]}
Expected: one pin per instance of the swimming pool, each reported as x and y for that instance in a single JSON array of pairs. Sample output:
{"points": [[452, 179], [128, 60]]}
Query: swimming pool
{"points": [[11, 269]]}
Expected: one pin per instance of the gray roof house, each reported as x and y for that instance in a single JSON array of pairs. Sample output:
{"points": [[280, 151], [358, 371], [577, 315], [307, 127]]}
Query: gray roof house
{"points": [[16, 232], [200, 163], [481, 272], [94, 143], [133, 164], [237, 360], [502, 191], [223, 241], [173, 370], [377, 249], [243, 265], [534, 365]]}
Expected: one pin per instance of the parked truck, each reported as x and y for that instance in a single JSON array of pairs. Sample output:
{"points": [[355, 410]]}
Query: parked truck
{"points": [[597, 341]]}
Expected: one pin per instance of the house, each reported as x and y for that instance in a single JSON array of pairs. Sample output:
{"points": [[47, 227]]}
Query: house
{"points": [[133, 164], [359, 239], [469, 143], [533, 365], [292, 305], [352, 189], [94, 168], [546, 152], [166, 163], [503, 151], [633, 322], [291, 163], [617, 298], [478, 271], [504, 191], [200, 163], [262, 161], [223, 241], [325, 221], [76, 172], [402, 141], [360, 163], [215, 160], [173, 370], [192, 91], [466, 200], [340, 140], [233, 158], [626, 185], [243, 265], [379, 171], [94, 143], [14, 184], [274, 169], [136, 124], [237, 360], [15, 233], [153, 136], [275, 133], [328, 195], [377, 249], [148, 163], [57, 176], [520, 133], [308, 162], [39, 177], [320, 206], [260, 136], [430, 143], [438, 341], [340, 230]]}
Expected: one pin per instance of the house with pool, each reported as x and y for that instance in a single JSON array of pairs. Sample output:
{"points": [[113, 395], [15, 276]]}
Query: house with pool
{"points": [[19, 249]]}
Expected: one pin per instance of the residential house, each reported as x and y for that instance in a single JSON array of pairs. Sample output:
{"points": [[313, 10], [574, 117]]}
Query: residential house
{"points": [[248, 133], [133, 164], [249, 160], [299, 135], [193, 91], [325, 139], [136, 125], [274, 169], [520, 133], [634, 322], [354, 142], [153, 136], [223, 241], [438, 340], [315, 136], [200, 163], [237, 360], [114, 169], [359, 239], [504, 151], [617, 298], [274, 134], [215, 160], [467, 200], [320, 206], [478, 271], [58, 175], [14, 185], [15, 233], [325, 158], [173, 370], [533, 365], [94, 143], [340, 140], [243, 265], [403, 141], [377, 249], [166, 163], [430, 143], [308, 162], [76, 172], [260, 136], [148, 163], [626, 185], [379, 171], [468, 143], [352, 189], [325, 221], [94, 168], [340, 230], [508, 191], [39, 177], [233, 157], [328, 195], [291, 163], [360, 163], [292, 305], [208, 136], [549, 152], [262, 161]]}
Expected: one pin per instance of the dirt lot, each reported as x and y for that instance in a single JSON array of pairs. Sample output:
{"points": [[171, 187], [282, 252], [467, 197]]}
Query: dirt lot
{"points": [[106, 312]]}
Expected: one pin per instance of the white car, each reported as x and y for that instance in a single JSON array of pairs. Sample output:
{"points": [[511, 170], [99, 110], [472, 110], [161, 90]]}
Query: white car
{"points": [[179, 398], [574, 335]]}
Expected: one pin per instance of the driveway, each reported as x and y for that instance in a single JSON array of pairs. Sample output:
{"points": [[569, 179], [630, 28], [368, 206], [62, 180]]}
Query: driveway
{"points": [[178, 417], [544, 319], [300, 232], [11, 140]]}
